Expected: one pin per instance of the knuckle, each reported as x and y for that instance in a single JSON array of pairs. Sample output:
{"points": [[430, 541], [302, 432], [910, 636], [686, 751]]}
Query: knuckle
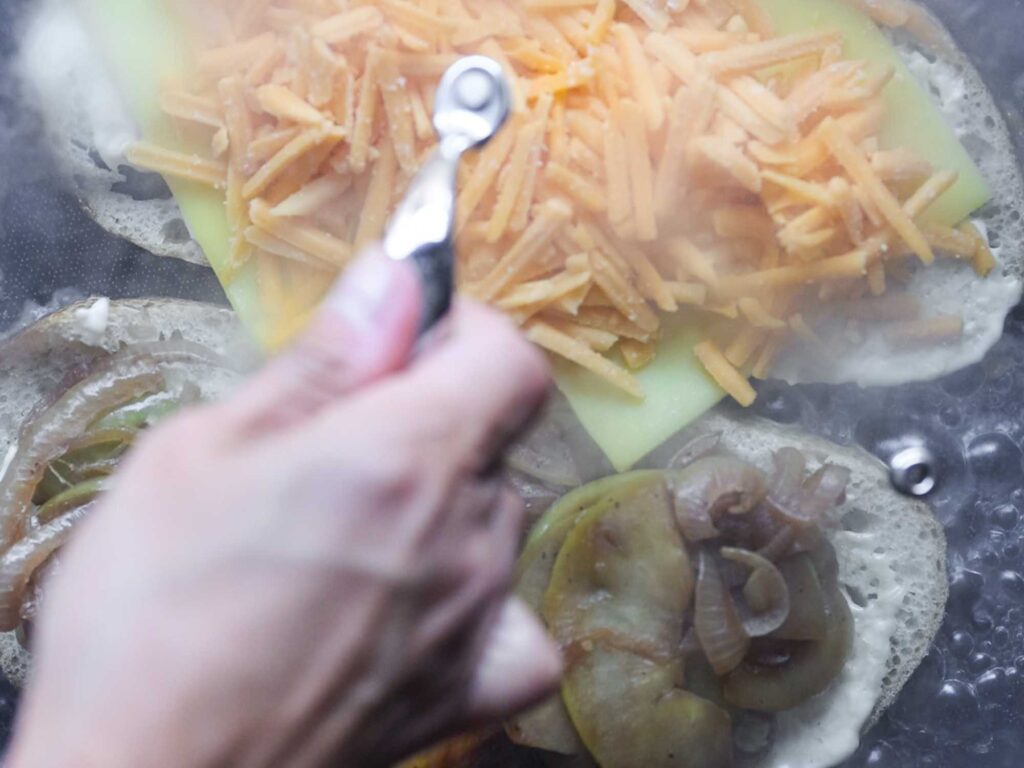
{"points": [[319, 365]]}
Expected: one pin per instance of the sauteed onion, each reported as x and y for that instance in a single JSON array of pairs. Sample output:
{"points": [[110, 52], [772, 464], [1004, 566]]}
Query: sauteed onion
{"points": [[765, 592], [711, 487], [20, 562], [66, 453], [717, 621], [762, 627]]}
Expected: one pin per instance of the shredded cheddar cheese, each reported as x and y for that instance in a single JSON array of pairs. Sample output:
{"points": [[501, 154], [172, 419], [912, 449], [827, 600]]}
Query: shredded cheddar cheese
{"points": [[662, 158]]}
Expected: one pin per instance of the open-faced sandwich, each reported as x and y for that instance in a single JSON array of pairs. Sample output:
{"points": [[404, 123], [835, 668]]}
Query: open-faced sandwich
{"points": [[687, 193], [759, 601]]}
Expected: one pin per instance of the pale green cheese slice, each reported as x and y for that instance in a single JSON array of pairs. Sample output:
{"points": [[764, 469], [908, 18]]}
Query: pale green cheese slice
{"points": [[912, 118], [678, 392]]}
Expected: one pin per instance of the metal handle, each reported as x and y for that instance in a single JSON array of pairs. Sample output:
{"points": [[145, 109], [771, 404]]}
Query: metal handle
{"points": [[471, 104]]}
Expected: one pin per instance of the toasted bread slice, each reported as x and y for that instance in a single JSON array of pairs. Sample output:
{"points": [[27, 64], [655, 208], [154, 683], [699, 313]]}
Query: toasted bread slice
{"points": [[892, 571]]}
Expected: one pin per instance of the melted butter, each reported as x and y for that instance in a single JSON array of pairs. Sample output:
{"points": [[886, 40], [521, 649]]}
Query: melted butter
{"points": [[92, 320]]}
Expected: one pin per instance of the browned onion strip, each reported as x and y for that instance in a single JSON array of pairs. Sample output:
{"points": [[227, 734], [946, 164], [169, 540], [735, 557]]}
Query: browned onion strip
{"points": [[765, 592], [20, 562], [825, 489], [47, 438], [785, 489], [807, 618], [779, 545], [97, 437], [801, 503], [696, 524], [130, 374], [810, 669], [716, 620], [711, 487]]}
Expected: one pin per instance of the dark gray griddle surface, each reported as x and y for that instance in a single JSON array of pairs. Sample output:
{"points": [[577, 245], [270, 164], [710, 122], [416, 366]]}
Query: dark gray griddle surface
{"points": [[965, 706], [51, 252]]}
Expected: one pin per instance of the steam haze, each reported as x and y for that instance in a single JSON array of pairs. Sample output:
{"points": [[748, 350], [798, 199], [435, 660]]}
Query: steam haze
{"points": [[51, 251]]}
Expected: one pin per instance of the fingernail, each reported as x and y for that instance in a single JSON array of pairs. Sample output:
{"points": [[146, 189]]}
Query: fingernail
{"points": [[519, 635], [520, 664], [364, 294]]}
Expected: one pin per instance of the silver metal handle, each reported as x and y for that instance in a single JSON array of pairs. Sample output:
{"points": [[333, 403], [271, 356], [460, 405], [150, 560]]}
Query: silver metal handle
{"points": [[471, 104]]}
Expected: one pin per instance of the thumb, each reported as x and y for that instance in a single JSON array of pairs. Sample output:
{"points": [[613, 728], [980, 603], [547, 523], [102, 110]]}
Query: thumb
{"points": [[364, 330], [520, 665]]}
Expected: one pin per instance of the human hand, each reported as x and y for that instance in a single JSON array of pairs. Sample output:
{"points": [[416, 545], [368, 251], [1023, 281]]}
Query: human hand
{"points": [[312, 572]]}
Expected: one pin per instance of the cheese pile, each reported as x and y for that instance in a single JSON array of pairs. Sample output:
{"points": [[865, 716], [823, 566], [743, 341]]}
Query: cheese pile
{"points": [[662, 159]]}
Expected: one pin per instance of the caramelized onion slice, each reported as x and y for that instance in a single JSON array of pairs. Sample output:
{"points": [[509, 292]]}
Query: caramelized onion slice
{"points": [[785, 488], [48, 437], [779, 545], [716, 620], [131, 374], [799, 502], [70, 500], [825, 489], [765, 593], [807, 618], [20, 562], [711, 487], [808, 670]]}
